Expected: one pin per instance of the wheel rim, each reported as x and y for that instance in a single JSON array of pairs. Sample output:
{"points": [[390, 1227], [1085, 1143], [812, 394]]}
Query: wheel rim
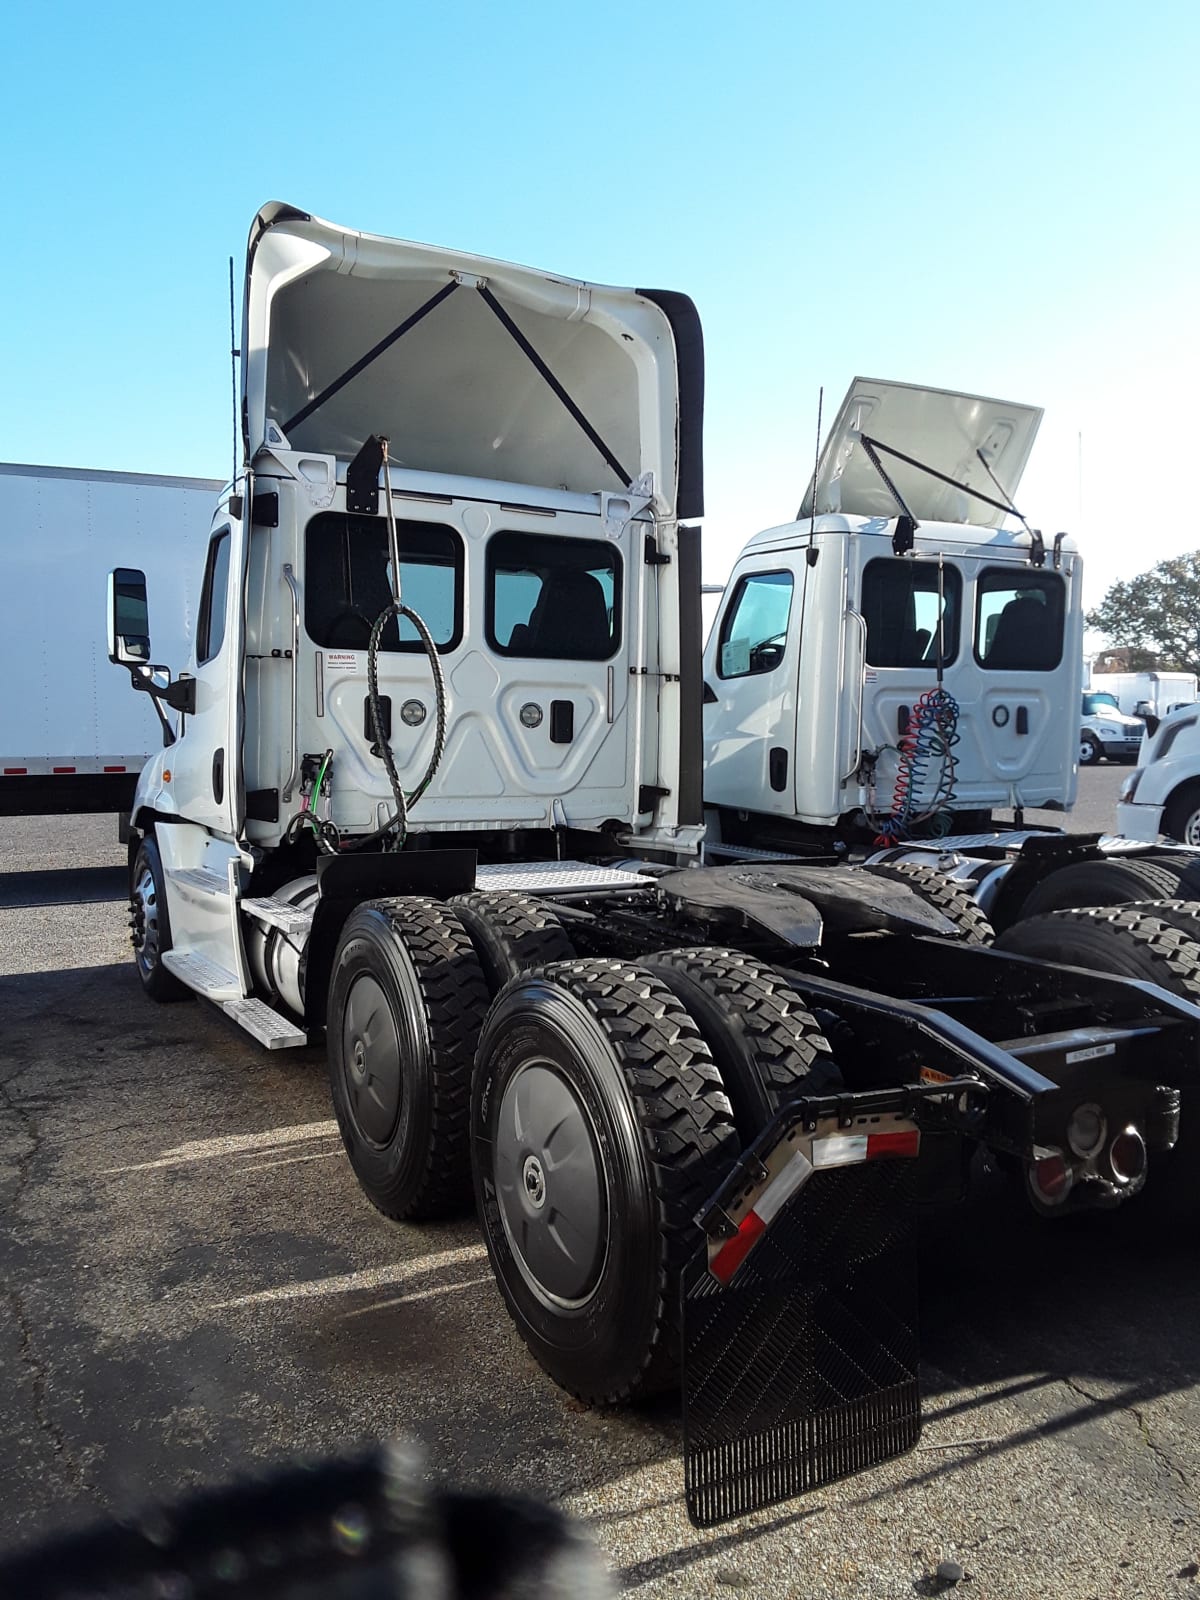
{"points": [[147, 935], [1085, 752], [550, 1186], [371, 1060], [1191, 829]]}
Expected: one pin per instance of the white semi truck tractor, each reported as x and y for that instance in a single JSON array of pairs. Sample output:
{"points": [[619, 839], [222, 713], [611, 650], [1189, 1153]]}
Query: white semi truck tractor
{"points": [[436, 797], [899, 669]]}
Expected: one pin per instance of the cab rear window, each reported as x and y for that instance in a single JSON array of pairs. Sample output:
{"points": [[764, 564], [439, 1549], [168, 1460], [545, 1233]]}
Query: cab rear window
{"points": [[912, 611], [347, 582], [1019, 620]]}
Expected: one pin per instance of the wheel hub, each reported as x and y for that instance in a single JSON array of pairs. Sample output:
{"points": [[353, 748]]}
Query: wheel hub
{"points": [[144, 931], [371, 1051], [535, 1182], [550, 1185]]}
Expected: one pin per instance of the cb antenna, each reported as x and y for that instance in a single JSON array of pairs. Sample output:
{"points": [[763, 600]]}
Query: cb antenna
{"points": [[809, 554], [234, 353]]}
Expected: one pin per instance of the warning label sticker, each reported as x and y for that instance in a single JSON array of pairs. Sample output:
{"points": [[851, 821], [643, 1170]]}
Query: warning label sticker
{"points": [[343, 661]]}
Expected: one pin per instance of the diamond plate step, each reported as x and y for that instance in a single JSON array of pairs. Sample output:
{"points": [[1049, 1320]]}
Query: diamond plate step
{"points": [[280, 914], [267, 1026], [200, 881], [204, 976], [557, 877], [743, 852]]}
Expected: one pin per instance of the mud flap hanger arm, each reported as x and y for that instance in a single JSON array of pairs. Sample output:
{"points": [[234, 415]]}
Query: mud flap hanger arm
{"points": [[903, 536]]}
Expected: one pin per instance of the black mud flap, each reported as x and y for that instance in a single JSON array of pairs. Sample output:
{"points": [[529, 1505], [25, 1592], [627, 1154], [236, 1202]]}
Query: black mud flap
{"points": [[801, 1366]]}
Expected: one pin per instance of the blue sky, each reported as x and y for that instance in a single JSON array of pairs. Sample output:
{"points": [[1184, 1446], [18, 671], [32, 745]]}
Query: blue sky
{"points": [[999, 199]]}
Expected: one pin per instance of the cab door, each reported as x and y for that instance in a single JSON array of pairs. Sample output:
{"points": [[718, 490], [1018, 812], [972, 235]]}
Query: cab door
{"points": [[750, 672], [205, 761]]}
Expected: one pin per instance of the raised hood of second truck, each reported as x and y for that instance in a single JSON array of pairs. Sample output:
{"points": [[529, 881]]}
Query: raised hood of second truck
{"points": [[466, 365], [937, 427]]}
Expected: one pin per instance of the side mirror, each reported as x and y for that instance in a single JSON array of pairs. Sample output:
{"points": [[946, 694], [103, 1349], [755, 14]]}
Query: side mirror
{"points": [[128, 618]]}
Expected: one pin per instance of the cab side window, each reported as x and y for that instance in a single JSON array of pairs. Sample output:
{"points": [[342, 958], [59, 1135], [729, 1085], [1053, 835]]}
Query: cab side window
{"points": [[1019, 620], [754, 632], [210, 624]]}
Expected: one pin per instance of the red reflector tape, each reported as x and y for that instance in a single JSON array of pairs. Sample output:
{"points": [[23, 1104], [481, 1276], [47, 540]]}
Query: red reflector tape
{"points": [[734, 1251], [63, 769], [114, 769], [904, 1143], [16, 772]]}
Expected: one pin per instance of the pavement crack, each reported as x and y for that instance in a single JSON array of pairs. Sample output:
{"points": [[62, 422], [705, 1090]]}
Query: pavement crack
{"points": [[1143, 1427]]}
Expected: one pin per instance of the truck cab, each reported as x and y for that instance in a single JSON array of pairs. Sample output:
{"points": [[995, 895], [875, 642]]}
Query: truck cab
{"points": [[507, 455], [901, 576]]}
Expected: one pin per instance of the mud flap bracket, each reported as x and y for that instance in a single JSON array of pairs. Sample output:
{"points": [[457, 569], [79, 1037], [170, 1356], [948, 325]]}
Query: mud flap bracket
{"points": [[800, 1310]]}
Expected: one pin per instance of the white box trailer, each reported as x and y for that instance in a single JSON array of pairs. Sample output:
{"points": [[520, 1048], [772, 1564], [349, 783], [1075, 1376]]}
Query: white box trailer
{"points": [[1157, 693], [72, 737]]}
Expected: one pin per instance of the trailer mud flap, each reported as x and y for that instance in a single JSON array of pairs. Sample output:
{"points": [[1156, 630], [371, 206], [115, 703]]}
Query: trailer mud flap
{"points": [[800, 1321]]}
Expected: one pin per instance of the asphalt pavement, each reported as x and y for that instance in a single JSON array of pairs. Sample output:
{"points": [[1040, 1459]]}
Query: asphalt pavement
{"points": [[193, 1286]]}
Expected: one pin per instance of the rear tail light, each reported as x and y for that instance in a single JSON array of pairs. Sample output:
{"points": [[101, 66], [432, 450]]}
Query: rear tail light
{"points": [[1051, 1177], [1127, 1156]]}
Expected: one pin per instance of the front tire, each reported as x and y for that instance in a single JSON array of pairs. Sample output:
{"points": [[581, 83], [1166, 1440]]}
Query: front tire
{"points": [[599, 1128], [407, 999], [1090, 750], [1181, 818], [150, 925]]}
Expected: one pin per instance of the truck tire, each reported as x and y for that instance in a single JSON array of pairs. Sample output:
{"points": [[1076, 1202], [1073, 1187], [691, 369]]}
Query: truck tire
{"points": [[765, 1041], [1181, 914], [1123, 940], [150, 925], [1184, 869], [944, 893], [1181, 816], [599, 1128], [407, 999], [512, 934], [1091, 751], [1115, 881]]}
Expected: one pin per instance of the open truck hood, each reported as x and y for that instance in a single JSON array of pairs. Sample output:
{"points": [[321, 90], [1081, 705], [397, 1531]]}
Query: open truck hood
{"points": [[467, 366], [937, 427]]}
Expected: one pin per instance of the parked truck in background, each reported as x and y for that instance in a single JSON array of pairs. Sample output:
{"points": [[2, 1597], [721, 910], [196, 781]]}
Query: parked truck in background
{"points": [[1147, 694], [1106, 732], [72, 738], [1161, 796], [436, 796], [896, 673]]}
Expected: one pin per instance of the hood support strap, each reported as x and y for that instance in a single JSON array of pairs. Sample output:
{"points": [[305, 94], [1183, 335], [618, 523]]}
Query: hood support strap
{"points": [[523, 344]]}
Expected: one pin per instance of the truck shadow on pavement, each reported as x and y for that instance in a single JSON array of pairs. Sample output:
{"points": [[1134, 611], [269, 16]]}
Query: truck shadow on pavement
{"points": [[69, 886]]}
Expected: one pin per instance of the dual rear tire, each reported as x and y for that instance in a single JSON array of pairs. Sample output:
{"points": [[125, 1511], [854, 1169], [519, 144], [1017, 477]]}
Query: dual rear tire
{"points": [[606, 1101]]}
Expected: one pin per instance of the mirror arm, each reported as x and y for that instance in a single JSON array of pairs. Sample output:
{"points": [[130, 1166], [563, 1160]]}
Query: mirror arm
{"points": [[180, 695]]}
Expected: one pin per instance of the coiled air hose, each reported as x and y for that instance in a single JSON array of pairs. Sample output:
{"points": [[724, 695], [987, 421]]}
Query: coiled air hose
{"points": [[924, 785]]}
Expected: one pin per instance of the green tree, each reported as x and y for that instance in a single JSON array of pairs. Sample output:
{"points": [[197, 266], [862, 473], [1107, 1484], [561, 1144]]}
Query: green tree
{"points": [[1156, 614]]}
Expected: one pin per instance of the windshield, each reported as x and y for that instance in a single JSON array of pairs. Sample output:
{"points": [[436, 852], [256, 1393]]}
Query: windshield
{"points": [[1095, 705]]}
